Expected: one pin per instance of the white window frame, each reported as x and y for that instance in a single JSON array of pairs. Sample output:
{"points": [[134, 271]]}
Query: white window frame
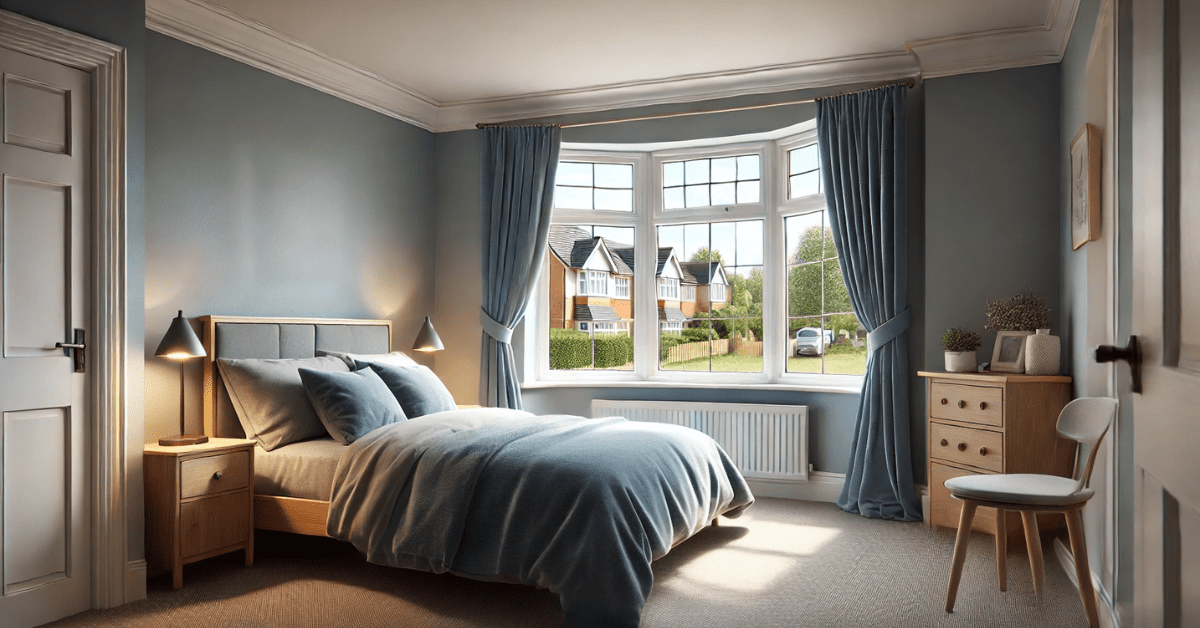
{"points": [[647, 215], [687, 292], [668, 288], [712, 292]]}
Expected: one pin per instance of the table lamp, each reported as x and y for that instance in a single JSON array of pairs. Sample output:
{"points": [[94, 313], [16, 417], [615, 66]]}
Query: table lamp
{"points": [[181, 344]]}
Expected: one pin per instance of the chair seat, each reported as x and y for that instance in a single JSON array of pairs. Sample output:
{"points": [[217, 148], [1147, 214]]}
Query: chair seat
{"points": [[1019, 488]]}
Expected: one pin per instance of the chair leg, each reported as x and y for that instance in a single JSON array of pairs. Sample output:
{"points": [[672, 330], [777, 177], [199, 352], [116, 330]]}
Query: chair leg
{"points": [[1001, 549], [960, 551], [1082, 572], [1033, 542]]}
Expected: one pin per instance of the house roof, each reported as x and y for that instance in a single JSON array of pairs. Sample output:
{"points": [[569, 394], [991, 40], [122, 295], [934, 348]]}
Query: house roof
{"points": [[703, 272], [596, 313], [573, 246], [672, 314]]}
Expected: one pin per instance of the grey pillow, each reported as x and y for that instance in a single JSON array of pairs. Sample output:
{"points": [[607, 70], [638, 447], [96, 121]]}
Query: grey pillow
{"points": [[351, 404], [270, 401], [418, 390]]}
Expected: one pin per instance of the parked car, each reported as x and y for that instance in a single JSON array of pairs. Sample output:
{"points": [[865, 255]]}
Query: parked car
{"points": [[809, 340]]}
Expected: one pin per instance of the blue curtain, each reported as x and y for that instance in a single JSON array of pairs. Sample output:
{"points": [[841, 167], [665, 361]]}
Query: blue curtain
{"points": [[863, 161], [517, 193]]}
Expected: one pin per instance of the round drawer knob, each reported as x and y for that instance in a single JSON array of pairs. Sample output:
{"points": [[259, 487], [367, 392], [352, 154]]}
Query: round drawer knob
{"points": [[983, 451], [962, 446], [945, 401], [983, 405], [945, 442], [962, 404], [217, 475]]}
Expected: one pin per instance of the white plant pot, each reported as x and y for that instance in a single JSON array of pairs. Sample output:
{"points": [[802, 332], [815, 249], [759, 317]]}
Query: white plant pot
{"points": [[961, 362]]}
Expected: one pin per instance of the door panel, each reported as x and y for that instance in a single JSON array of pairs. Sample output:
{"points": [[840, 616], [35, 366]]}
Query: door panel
{"points": [[45, 507], [36, 255], [1166, 310]]}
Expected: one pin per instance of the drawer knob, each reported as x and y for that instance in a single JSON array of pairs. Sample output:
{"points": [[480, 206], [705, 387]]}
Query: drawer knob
{"points": [[962, 404], [983, 405], [983, 451], [945, 401], [217, 475], [945, 442], [962, 446]]}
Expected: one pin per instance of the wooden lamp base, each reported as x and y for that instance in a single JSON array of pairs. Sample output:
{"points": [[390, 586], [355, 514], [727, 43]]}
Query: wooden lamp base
{"points": [[182, 439]]}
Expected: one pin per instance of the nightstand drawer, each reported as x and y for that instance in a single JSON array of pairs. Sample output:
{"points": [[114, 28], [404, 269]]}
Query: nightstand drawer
{"points": [[969, 404], [214, 474], [213, 523], [963, 445]]}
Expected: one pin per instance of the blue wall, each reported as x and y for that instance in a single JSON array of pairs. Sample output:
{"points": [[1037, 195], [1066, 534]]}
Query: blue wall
{"points": [[268, 198]]}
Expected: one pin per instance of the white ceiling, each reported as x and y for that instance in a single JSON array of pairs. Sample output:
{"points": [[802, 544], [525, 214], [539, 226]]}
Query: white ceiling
{"points": [[450, 63]]}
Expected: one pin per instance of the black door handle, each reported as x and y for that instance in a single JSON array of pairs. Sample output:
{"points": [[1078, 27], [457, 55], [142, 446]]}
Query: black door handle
{"points": [[1131, 354]]}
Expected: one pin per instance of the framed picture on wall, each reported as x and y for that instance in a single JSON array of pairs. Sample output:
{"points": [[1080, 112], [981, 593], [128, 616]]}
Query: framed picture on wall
{"points": [[1085, 186], [1008, 356]]}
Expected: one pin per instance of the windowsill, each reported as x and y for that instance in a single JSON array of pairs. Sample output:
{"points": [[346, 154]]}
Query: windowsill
{"points": [[836, 388]]}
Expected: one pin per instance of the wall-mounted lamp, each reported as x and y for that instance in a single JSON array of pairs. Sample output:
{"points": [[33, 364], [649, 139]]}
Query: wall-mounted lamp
{"points": [[181, 344], [427, 339]]}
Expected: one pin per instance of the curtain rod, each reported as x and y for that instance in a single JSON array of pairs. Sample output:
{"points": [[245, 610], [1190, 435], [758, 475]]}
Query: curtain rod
{"points": [[678, 114]]}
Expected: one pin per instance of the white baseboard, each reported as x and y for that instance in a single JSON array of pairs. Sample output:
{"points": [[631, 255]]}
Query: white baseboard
{"points": [[1104, 603], [821, 486], [135, 581]]}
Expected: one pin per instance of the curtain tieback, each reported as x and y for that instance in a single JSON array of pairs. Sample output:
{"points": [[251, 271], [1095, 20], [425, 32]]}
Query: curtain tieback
{"points": [[889, 331], [494, 328]]}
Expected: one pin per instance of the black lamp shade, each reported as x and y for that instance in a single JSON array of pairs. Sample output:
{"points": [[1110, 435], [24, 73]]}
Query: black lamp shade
{"points": [[427, 338], [180, 342]]}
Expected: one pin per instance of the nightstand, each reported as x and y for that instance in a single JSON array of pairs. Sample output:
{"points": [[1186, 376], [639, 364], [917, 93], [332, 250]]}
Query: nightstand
{"points": [[199, 503], [981, 423]]}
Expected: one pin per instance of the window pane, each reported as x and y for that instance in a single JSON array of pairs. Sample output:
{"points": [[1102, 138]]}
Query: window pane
{"points": [[724, 169], [723, 237], [614, 176], [590, 311], [803, 159], [697, 195], [804, 243], [619, 200], [747, 192], [749, 243], [673, 173], [673, 198], [573, 173], [684, 349], [696, 171], [572, 198], [805, 184], [804, 290], [748, 168], [724, 194]]}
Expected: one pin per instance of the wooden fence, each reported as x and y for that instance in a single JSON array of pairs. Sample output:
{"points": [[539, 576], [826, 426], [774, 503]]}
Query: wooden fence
{"points": [[694, 350]]}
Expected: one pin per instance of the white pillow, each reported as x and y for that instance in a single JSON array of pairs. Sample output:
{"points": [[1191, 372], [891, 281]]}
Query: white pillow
{"points": [[395, 358]]}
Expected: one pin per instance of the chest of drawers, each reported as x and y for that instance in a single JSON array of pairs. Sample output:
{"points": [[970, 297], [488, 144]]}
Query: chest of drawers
{"points": [[992, 423]]}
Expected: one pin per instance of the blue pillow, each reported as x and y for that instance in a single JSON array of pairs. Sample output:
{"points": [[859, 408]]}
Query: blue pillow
{"points": [[418, 390], [351, 404]]}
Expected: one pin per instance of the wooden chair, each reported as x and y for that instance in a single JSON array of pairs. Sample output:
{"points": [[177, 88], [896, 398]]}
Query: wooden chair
{"points": [[1084, 420]]}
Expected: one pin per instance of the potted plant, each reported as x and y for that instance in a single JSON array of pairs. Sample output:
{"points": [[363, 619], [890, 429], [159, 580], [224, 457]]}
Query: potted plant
{"points": [[1026, 312], [960, 346]]}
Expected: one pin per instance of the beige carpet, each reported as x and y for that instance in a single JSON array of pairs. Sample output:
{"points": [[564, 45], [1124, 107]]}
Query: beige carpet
{"points": [[784, 563]]}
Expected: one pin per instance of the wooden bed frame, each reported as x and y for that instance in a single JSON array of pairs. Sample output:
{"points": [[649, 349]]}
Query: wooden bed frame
{"points": [[271, 512]]}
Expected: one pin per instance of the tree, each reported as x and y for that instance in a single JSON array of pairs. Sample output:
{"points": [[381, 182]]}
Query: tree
{"points": [[704, 255], [818, 276]]}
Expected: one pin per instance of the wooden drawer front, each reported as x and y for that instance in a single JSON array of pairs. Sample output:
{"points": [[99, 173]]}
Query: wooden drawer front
{"points": [[969, 404], [199, 476], [977, 448], [214, 522]]}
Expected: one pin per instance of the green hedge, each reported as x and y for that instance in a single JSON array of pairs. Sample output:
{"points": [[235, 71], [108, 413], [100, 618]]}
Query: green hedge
{"points": [[572, 349], [699, 334], [666, 341]]}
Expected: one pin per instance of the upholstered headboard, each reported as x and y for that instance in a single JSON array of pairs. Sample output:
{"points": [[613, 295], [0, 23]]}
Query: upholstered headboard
{"points": [[273, 338]]}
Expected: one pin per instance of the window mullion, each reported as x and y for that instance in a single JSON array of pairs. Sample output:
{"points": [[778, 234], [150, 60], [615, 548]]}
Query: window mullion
{"points": [[774, 275]]}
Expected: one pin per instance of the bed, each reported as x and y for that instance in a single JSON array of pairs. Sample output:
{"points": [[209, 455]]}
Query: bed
{"points": [[578, 506]]}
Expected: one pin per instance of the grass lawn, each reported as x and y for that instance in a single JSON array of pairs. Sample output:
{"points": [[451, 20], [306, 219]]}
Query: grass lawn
{"points": [[838, 359]]}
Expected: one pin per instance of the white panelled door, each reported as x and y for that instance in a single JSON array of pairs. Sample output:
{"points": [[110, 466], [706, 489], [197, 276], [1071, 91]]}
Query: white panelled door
{"points": [[45, 507], [1166, 311]]}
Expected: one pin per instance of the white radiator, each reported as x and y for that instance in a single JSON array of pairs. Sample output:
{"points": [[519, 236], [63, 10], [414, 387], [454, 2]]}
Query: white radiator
{"points": [[766, 442]]}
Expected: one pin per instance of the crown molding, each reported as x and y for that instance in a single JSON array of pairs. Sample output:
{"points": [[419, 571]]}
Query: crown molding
{"points": [[1000, 49], [224, 32]]}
